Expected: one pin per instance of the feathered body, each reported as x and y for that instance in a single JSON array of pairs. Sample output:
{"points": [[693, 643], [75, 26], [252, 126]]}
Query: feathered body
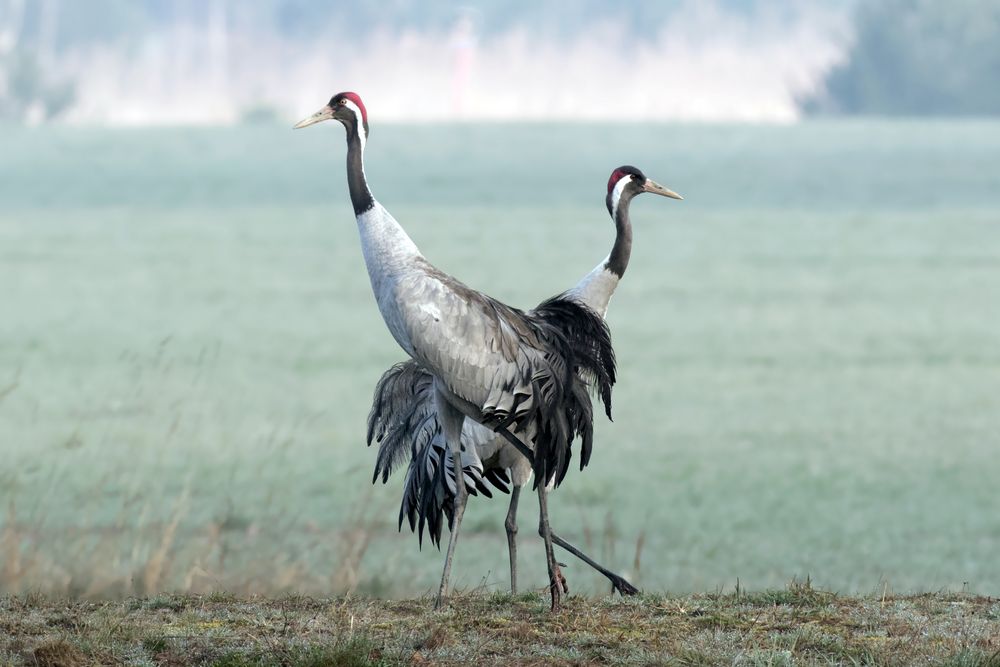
{"points": [[499, 365], [504, 367], [509, 370], [403, 419]]}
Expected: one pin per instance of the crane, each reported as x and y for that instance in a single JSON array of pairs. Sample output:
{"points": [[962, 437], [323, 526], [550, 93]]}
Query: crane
{"points": [[404, 423], [515, 372]]}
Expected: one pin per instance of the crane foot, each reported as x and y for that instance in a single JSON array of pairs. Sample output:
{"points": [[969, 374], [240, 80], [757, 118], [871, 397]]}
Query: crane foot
{"points": [[622, 586], [562, 579], [556, 601]]}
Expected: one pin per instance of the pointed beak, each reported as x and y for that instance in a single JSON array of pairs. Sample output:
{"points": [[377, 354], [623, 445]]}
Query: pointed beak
{"points": [[326, 113], [657, 189]]}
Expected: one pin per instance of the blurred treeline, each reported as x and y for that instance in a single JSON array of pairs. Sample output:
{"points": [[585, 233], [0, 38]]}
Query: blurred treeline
{"points": [[905, 57], [918, 57]]}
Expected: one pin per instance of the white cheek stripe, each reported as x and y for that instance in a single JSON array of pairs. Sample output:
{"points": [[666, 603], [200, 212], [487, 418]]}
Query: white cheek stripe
{"points": [[616, 193], [361, 121]]}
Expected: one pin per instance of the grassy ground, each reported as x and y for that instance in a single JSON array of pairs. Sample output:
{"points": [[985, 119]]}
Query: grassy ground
{"points": [[798, 625]]}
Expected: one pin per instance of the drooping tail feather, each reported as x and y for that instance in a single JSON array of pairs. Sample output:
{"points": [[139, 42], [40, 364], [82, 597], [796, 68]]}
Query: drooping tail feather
{"points": [[578, 357], [429, 489], [403, 416], [403, 420]]}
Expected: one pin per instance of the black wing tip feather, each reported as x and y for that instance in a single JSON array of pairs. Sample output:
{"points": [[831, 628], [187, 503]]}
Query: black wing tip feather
{"points": [[583, 360]]}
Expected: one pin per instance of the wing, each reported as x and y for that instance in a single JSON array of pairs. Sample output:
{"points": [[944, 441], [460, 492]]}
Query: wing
{"points": [[472, 344], [519, 369]]}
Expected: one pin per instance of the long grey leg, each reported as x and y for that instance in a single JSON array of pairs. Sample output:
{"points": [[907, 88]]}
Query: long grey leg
{"points": [[555, 575], [516, 442], [511, 525], [618, 583], [451, 423]]}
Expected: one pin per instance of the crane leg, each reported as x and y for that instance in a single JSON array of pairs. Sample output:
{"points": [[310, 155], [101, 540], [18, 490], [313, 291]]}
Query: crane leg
{"points": [[556, 579], [517, 443], [451, 422], [618, 583], [511, 525]]}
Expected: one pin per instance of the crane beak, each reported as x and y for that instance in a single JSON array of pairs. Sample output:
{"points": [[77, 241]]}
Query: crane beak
{"points": [[652, 186], [326, 113]]}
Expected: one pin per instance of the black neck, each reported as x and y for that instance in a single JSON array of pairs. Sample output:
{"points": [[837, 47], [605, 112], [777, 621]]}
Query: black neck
{"points": [[621, 251], [361, 196]]}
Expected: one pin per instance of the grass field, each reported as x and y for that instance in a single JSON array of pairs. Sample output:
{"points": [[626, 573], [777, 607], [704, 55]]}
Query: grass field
{"points": [[795, 626], [809, 348]]}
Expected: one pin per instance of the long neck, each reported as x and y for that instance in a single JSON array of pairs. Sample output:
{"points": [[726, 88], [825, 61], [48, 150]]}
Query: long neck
{"points": [[386, 247], [621, 251], [596, 288], [361, 196]]}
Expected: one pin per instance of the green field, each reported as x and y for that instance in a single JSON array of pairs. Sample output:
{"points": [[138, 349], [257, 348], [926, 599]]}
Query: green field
{"points": [[809, 352]]}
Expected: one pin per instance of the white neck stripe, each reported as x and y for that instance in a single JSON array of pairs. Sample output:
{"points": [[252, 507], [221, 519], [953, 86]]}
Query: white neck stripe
{"points": [[616, 193], [361, 121]]}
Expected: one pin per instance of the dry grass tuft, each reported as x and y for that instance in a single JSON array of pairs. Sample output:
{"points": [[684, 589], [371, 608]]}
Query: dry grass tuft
{"points": [[356, 539], [156, 566], [58, 653], [434, 640], [10, 550]]}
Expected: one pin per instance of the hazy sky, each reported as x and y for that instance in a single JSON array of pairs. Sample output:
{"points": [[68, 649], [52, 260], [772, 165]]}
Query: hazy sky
{"points": [[699, 60]]}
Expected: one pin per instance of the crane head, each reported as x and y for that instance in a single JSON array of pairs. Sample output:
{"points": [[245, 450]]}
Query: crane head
{"points": [[628, 181], [344, 107]]}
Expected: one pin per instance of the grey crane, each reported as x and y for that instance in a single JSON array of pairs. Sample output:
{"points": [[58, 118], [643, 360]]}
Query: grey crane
{"points": [[404, 422], [515, 372]]}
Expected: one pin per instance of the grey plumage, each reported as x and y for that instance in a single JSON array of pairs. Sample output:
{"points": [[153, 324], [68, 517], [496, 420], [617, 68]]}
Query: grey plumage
{"points": [[403, 420], [405, 389], [404, 423], [544, 394], [404, 392]]}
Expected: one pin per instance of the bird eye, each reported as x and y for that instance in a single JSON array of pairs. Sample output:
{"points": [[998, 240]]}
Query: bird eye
{"points": [[343, 102]]}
